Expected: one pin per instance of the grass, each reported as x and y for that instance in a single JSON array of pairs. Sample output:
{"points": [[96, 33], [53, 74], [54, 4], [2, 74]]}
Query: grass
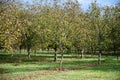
{"points": [[83, 75], [41, 67]]}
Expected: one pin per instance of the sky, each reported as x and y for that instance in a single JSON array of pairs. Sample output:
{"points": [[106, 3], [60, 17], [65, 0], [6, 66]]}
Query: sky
{"points": [[85, 3]]}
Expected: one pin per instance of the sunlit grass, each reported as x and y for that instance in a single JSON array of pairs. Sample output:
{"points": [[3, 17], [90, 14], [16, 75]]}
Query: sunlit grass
{"points": [[83, 75], [43, 68]]}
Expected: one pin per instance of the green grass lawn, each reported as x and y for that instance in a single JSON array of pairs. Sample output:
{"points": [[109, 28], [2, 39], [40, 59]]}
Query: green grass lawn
{"points": [[37, 67]]}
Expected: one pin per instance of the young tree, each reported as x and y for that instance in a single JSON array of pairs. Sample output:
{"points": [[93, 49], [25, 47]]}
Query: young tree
{"points": [[95, 16]]}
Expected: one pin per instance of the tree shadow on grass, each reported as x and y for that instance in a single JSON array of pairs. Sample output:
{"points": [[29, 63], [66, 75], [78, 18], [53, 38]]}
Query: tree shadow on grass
{"points": [[44, 63], [21, 58], [72, 65], [93, 65]]}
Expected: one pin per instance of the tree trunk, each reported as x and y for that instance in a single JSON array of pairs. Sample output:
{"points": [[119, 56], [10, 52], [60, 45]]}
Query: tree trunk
{"points": [[48, 49], [20, 48], [35, 51], [115, 51], [61, 61], [28, 54], [99, 57], [100, 46], [55, 55], [92, 51], [28, 51], [82, 52], [11, 54], [78, 51], [117, 57]]}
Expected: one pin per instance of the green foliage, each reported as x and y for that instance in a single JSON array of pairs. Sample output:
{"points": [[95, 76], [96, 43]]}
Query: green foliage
{"points": [[59, 26]]}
